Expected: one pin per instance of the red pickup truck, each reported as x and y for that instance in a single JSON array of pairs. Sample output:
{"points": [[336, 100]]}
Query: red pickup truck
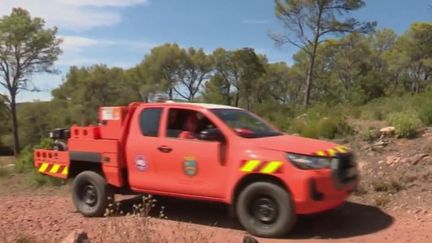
{"points": [[204, 152]]}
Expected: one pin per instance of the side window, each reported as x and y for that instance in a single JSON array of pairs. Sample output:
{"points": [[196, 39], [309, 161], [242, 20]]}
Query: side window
{"points": [[149, 121], [183, 123]]}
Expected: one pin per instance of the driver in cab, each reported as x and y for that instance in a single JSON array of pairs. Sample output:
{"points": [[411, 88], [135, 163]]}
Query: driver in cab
{"points": [[190, 127]]}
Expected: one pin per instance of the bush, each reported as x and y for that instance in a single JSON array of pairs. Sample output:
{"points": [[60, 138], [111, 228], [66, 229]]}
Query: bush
{"points": [[381, 200], [320, 127], [406, 124], [25, 164], [391, 186], [4, 172], [37, 179], [425, 114], [369, 134], [25, 159]]}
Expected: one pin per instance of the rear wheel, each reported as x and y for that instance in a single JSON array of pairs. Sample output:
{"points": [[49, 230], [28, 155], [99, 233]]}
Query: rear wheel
{"points": [[91, 194], [265, 209]]}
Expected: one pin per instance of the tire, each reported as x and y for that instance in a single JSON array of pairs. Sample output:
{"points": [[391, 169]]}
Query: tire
{"points": [[266, 210], [91, 194]]}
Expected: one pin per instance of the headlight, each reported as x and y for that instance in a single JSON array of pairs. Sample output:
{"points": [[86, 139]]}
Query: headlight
{"points": [[310, 162]]}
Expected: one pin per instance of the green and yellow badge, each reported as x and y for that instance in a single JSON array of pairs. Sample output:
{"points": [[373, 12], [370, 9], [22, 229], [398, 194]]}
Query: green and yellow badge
{"points": [[190, 166]]}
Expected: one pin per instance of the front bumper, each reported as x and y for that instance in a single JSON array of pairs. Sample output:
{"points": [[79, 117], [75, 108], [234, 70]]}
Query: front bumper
{"points": [[319, 190]]}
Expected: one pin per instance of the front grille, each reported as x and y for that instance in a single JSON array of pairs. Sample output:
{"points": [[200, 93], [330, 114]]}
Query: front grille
{"points": [[346, 170]]}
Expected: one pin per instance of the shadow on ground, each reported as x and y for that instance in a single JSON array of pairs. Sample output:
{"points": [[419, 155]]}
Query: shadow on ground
{"points": [[350, 219]]}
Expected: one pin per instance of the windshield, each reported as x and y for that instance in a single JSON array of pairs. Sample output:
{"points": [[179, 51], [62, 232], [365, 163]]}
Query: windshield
{"points": [[245, 124]]}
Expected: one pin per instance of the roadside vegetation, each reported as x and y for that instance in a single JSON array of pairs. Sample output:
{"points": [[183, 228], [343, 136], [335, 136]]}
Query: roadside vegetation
{"points": [[365, 74]]}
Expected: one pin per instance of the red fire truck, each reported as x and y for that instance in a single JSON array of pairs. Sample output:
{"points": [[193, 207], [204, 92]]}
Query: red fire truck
{"points": [[204, 152]]}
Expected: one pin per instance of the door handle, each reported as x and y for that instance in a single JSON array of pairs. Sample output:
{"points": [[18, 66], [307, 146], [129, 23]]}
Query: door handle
{"points": [[165, 149]]}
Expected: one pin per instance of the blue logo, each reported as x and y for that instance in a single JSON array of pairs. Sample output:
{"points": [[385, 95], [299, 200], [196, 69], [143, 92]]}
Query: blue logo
{"points": [[190, 166]]}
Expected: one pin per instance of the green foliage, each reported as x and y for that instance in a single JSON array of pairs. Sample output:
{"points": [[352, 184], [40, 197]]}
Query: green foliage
{"points": [[25, 165], [26, 159], [369, 134], [365, 76], [37, 180], [308, 22], [26, 47], [4, 172], [321, 122], [86, 89], [406, 124], [35, 125]]}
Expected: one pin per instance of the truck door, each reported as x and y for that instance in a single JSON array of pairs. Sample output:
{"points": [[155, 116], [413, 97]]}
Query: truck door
{"points": [[189, 165], [142, 149]]}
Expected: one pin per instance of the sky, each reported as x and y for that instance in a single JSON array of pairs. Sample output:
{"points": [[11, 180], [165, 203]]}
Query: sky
{"points": [[121, 32]]}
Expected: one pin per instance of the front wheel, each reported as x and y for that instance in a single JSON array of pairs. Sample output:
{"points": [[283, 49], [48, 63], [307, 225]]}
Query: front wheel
{"points": [[266, 210], [91, 194]]}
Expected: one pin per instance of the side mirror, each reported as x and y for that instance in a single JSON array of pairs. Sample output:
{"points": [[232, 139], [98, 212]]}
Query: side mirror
{"points": [[212, 134]]}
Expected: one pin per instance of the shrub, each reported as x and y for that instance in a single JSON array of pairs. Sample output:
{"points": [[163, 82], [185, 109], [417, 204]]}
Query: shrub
{"points": [[25, 164], [425, 114], [391, 186], [369, 134], [4, 172], [328, 128], [37, 180], [22, 238], [25, 160], [320, 127], [406, 123], [381, 200]]}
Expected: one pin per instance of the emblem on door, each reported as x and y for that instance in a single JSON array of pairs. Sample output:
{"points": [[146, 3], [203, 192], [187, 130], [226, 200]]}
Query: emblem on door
{"points": [[190, 166]]}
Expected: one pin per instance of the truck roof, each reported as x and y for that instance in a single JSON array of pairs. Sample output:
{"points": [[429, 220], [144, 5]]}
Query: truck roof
{"points": [[200, 105]]}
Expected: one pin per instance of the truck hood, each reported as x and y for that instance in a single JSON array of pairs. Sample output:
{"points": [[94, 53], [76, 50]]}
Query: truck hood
{"points": [[295, 144]]}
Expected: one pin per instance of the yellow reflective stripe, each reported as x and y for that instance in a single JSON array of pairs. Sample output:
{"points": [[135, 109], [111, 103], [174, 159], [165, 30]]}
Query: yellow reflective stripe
{"points": [[331, 152], [341, 149], [65, 171], [321, 153], [43, 167], [250, 165], [55, 168], [271, 167]]}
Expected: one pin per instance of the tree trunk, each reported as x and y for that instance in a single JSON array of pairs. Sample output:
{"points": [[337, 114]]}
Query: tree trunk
{"points": [[237, 99], [309, 78], [16, 145], [170, 93], [228, 95]]}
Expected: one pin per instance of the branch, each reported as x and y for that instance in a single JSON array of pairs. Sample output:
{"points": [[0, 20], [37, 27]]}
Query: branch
{"points": [[179, 93]]}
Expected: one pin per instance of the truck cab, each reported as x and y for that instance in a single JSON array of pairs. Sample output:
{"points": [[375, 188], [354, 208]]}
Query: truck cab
{"points": [[203, 152]]}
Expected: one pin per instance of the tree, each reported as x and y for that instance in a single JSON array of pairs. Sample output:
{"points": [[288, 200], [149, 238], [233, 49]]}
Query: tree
{"points": [[178, 71], [238, 72], [159, 70], [309, 21], [413, 56], [86, 89], [26, 47]]}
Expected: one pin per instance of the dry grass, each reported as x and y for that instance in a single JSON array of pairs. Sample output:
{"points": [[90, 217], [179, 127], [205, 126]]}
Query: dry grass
{"points": [[390, 186], [137, 226], [381, 200]]}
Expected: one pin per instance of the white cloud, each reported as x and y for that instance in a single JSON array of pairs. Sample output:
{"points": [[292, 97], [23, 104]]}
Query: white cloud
{"points": [[77, 15], [77, 50], [76, 43]]}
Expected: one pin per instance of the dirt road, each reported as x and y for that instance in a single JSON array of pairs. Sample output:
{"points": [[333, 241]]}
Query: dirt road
{"points": [[50, 216]]}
